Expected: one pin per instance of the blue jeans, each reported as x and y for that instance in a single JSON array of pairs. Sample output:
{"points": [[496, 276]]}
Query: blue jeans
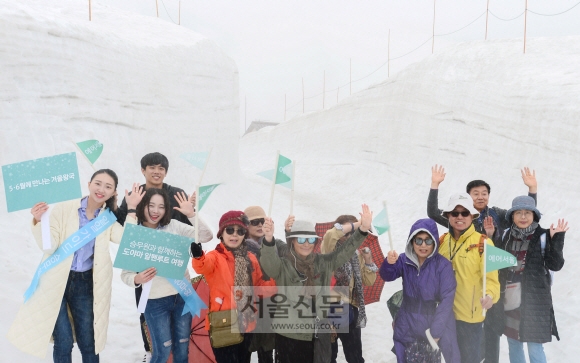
{"points": [[469, 337], [78, 296], [168, 328], [535, 352]]}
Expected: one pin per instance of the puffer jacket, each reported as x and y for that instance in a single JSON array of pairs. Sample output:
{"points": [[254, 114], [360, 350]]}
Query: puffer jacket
{"points": [[469, 273], [282, 270], [218, 268], [537, 321], [428, 294]]}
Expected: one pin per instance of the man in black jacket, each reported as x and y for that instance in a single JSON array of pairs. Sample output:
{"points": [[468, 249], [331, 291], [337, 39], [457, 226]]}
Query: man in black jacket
{"points": [[154, 167]]}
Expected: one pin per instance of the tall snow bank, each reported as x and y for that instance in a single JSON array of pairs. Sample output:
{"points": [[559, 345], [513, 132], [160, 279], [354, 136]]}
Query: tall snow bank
{"points": [[137, 84], [483, 110]]}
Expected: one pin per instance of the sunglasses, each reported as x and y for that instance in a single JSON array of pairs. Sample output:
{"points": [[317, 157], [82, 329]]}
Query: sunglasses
{"points": [[428, 241], [239, 231], [302, 240], [257, 222], [464, 213]]}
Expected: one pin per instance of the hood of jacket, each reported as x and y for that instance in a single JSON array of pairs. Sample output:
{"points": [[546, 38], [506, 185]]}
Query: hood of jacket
{"points": [[422, 225]]}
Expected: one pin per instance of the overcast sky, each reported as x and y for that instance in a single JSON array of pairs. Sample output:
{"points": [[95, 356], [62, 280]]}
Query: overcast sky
{"points": [[277, 43]]}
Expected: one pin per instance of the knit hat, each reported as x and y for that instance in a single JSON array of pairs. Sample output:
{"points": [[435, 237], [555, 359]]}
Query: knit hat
{"points": [[233, 218], [255, 212], [523, 202], [302, 229], [462, 199]]}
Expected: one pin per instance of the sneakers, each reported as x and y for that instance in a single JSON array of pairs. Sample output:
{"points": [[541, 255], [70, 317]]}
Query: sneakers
{"points": [[146, 358]]}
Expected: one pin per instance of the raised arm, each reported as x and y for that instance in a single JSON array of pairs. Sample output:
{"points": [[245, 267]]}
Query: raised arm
{"points": [[553, 255], [346, 250], [433, 211], [392, 267], [269, 259]]}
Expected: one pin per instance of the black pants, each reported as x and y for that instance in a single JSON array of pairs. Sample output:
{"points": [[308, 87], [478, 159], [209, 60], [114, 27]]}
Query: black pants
{"points": [[142, 321], [351, 342], [469, 336], [263, 356], [490, 347], [294, 350], [237, 353]]}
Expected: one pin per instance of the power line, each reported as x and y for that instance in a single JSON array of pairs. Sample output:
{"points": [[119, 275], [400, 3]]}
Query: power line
{"points": [[168, 13], [533, 12], [507, 19]]}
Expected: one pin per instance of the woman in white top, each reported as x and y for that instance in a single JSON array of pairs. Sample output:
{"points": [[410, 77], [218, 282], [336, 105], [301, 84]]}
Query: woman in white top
{"points": [[168, 328]]}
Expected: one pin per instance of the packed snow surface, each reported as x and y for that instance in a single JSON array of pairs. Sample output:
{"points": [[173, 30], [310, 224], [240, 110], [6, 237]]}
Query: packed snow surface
{"points": [[137, 84]]}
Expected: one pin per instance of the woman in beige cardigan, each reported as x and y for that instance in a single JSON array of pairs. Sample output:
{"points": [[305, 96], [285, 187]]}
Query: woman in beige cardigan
{"points": [[73, 298]]}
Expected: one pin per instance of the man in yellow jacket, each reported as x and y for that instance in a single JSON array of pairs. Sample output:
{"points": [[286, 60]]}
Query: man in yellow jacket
{"points": [[462, 247]]}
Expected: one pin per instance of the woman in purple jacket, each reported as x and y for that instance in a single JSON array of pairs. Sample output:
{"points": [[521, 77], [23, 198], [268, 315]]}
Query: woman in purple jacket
{"points": [[426, 314]]}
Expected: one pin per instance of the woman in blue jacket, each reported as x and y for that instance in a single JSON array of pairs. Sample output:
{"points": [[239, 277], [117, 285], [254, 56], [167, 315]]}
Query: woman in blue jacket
{"points": [[426, 313]]}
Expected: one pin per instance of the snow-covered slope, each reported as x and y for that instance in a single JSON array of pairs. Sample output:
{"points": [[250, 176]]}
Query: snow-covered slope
{"points": [[139, 84], [483, 110]]}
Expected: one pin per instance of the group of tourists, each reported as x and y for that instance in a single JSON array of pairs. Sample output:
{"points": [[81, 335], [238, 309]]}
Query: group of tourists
{"points": [[442, 310]]}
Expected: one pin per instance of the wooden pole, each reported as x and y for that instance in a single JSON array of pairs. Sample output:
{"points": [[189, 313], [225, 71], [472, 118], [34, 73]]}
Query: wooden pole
{"points": [[337, 90], [157, 7], [350, 77], [302, 94], [483, 311], [433, 36], [389, 224], [245, 113], [196, 223], [486, 19], [179, 14], [90, 11], [292, 190], [273, 183], [389, 55], [323, 88], [284, 107], [525, 25]]}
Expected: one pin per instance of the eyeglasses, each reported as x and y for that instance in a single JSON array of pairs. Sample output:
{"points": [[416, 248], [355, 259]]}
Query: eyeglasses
{"points": [[239, 231], [257, 222], [428, 241], [464, 213], [302, 240]]}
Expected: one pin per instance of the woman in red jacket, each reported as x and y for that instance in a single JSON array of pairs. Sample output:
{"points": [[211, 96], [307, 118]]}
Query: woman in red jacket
{"points": [[231, 273]]}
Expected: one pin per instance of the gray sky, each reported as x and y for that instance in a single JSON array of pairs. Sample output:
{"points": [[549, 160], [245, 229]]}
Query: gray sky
{"points": [[278, 43]]}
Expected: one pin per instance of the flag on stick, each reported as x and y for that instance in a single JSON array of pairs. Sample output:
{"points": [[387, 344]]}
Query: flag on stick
{"points": [[496, 259], [381, 222], [197, 159], [284, 174], [204, 193], [91, 150]]}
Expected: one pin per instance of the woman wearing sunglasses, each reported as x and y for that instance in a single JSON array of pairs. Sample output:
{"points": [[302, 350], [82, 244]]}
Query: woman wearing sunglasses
{"points": [[425, 320], [232, 273], [163, 313], [463, 246], [304, 278]]}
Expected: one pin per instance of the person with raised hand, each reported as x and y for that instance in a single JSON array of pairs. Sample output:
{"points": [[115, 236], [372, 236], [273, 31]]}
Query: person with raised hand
{"points": [[165, 305], [232, 275], [304, 275], [528, 298], [425, 321], [72, 299], [491, 222]]}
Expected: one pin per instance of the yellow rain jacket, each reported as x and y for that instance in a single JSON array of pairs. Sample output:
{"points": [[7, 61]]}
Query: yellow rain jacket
{"points": [[468, 266]]}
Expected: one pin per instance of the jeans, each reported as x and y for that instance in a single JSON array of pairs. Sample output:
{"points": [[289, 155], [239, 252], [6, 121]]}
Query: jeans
{"points": [[535, 352], [78, 296], [469, 337], [168, 328], [138, 291], [351, 342]]}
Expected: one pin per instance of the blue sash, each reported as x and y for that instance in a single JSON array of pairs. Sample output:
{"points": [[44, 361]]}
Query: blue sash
{"points": [[193, 303], [77, 240]]}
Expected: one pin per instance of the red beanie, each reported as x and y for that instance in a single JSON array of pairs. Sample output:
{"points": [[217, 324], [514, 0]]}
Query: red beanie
{"points": [[233, 218]]}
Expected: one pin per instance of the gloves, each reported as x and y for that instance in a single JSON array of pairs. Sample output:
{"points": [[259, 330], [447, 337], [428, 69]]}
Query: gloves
{"points": [[195, 250]]}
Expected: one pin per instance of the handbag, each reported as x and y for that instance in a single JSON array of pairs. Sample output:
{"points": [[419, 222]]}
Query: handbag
{"points": [[513, 296], [224, 329], [420, 351]]}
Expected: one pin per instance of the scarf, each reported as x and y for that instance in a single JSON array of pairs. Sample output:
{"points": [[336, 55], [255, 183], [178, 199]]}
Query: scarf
{"points": [[343, 275], [303, 265], [522, 234], [243, 292]]}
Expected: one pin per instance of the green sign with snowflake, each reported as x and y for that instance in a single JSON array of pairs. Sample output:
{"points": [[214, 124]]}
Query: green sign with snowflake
{"points": [[53, 179], [143, 247]]}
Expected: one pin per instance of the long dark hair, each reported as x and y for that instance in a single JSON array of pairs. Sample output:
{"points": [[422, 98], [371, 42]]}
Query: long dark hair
{"points": [[145, 204], [110, 203]]}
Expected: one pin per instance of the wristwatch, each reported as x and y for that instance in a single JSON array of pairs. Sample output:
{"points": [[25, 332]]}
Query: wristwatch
{"points": [[131, 211], [338, 226]]}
